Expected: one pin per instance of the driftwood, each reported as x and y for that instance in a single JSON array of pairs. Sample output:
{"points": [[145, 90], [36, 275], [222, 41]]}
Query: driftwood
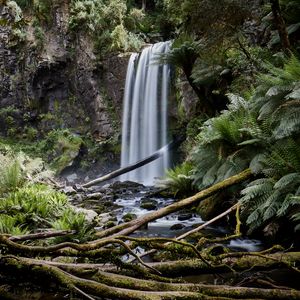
{"points": [[131, 167]]}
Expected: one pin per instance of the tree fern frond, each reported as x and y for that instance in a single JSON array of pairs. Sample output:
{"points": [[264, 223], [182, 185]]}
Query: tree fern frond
{"points": [[236, 102], [270, 106], [257, 163], [256, 188], [285, 181], [296, 218], [294, 95], [283, 159], [254, 220], [289, 123], [271, 205], [289, 201]]}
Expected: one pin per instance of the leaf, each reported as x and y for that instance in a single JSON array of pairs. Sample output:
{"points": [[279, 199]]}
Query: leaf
{"points": [[249, 142], [286, 180], [294, 94]]}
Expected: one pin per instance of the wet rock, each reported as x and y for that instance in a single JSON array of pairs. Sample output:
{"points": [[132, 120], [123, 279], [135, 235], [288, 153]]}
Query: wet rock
{"points": [[210, 207], [77, 198], [94, 196], [177, 226], [149, 204], [185, 216], [103, 218], [129, 217], [72, 177], [69, 190], [88, 213], [79, 188], [217, 250], [110, 224]]}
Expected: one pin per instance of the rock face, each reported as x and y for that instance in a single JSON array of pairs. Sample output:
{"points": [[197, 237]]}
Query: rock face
{"points": [[50, 76]]}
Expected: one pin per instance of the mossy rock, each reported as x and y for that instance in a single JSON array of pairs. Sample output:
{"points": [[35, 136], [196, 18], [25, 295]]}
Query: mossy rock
{"points": [[149, 204], [110, 224], [209, 207], [129, 217]]}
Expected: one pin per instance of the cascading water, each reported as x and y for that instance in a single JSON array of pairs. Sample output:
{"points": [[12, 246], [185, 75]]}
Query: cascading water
{"points": [[145, 114]]}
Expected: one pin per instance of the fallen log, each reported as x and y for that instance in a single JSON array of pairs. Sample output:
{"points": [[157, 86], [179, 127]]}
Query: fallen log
{"points": [[131, 167]]}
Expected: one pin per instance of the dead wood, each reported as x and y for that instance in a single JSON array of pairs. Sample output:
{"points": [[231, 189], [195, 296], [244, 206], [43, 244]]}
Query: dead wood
{"points": [[131, 167]]}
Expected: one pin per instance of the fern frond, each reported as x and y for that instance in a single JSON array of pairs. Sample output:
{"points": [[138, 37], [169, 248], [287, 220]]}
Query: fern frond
{"points": [[289, 122], [271, 205], [287, 180], [257, 188], [289, 202]]}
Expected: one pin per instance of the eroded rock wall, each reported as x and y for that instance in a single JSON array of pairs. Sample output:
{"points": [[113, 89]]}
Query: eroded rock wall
{"points": [[51, 77]]}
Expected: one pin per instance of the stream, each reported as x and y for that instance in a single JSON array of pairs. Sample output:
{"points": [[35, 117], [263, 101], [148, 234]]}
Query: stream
{"points": [[137, 200]]}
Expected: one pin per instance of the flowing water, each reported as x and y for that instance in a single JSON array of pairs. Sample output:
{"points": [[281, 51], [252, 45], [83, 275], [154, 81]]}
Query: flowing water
{"points": [[145, 114]]}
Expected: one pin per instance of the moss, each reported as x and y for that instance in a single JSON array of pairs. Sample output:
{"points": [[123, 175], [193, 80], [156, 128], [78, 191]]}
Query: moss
{"points": [[109, 224], [128, 217]]}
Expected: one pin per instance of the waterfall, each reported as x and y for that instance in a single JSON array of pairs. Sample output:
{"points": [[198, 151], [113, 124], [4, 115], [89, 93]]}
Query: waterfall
{"points": [[145, 114]]}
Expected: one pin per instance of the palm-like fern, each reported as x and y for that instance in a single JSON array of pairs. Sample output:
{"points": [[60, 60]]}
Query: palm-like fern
{"points": [[179, 180], [263, 134], [227, 144], [274, 196]]}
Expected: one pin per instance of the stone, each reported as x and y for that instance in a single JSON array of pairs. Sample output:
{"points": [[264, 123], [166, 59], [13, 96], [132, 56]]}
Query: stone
{"points": [[129, 217], [79, 188], [72, 177], [110, 224], [148, 203], [103, 218], [69, 190], [185, 216], [177, 226], [89, 214]]}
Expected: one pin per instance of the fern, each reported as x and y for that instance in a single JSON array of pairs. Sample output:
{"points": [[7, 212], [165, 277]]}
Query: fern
{"points": [[179, 180]]}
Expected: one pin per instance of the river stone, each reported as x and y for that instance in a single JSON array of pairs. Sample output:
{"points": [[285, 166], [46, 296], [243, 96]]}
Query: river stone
{"points": [[129, 217], [69, 190], [104, 218], [110, 224], [149, 204], [185, 216], [177, 226], [79, 188], [72, 177], [89, 214]]}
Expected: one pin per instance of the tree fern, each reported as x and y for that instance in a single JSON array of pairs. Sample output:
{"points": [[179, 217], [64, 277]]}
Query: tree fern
{"points": [[179, 180]]}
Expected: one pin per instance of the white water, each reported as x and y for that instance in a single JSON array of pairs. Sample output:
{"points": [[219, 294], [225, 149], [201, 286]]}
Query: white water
{"points": [[145, 114]]}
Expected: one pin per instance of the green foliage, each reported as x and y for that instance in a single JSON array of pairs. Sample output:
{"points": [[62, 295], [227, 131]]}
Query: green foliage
{"points": [[179, 180], [38, 206], [183, 53], [273, 196], [17, 168], [104, 20], [71, 220], [60, 147], [11, 174], [261, 132], [226, 144], [24, 3]]}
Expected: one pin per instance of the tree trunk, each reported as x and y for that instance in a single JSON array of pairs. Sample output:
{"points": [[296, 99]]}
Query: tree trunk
{"points": [[280, 25], [131, 167]]}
